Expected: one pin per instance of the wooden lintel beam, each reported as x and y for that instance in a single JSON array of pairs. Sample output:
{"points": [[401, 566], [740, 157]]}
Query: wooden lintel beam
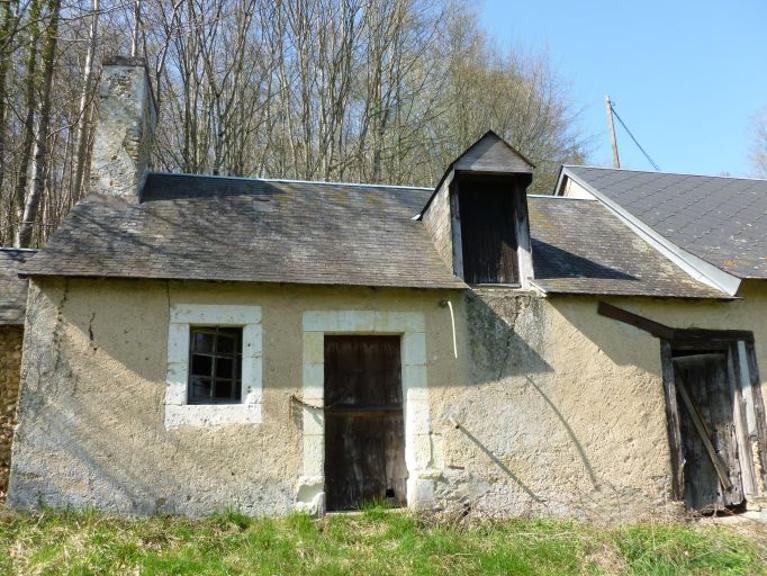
{"points": [[675, 335], [655, 328]]}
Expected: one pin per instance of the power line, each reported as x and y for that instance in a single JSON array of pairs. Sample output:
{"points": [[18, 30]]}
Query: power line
{"points": [[626, 128]]}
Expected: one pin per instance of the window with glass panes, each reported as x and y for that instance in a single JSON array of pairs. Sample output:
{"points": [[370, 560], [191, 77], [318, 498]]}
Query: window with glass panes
{"points": [[215, 365]]}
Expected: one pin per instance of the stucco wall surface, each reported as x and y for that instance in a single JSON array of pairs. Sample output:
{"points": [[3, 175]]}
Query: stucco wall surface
{"points": [[565, 413], [551, 423], [10, 370], [549, 408], [92, 430]]}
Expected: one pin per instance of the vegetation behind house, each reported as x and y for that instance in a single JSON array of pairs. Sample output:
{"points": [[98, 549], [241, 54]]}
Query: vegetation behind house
{"points": [[361, 90]]}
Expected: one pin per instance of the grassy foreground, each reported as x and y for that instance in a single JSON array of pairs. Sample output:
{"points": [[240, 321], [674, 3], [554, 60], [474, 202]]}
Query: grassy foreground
{"points": [[376, 542]]}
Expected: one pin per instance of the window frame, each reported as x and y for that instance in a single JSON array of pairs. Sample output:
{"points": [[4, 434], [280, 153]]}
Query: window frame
{"points": [[179, 411], [234, 381]]}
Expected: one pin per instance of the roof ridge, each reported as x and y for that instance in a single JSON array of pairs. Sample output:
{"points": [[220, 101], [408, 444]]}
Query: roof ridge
{"points": [[555, 197], [662, 172], [293, 181]]}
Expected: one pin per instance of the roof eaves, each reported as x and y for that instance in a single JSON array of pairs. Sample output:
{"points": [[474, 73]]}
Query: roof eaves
{"points": [[456, 284], [289, 180], [694, 266]]}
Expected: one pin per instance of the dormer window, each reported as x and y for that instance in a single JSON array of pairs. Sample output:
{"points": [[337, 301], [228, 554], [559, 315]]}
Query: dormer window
{"points": [[488, 229], [477, 215]]}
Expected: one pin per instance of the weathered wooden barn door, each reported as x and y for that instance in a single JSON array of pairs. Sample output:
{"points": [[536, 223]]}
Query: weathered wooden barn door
{"points": [[712, 472], [364, 425], [487, 231]]}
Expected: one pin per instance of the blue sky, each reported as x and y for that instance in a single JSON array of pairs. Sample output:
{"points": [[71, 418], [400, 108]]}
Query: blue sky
{"points": [[686, 76]]}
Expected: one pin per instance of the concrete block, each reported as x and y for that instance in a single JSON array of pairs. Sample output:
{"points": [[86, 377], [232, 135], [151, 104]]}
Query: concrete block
{"points": [[320, 321], [178, 343], [314, 383], [252, 340], [314, 348], [414, 349], [356, 321], [399, 322]]}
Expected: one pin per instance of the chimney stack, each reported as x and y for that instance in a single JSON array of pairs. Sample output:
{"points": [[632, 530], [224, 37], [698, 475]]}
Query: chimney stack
{"points": [[125, 129]]}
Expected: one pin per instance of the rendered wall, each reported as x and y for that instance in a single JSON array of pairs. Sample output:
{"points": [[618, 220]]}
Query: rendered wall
{"points": [[549, 409], [92, 427]]}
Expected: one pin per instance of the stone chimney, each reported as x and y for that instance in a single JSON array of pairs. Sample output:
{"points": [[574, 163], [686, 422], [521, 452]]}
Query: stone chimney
{"points": [[125, 129]]}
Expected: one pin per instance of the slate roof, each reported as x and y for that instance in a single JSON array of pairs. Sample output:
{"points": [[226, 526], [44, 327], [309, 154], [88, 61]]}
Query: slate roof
{"points": [[580, 247], [720, 220], [234, 229], [13, 290]]}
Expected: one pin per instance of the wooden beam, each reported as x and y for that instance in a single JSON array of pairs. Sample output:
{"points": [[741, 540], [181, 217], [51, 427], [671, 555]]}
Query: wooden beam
{"points": [[679, 336], [673, 427], [700, 426], [759, 412], [656, 329]]}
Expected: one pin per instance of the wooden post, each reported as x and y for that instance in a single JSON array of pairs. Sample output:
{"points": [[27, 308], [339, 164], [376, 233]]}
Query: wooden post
{"points": [[611, 128]]}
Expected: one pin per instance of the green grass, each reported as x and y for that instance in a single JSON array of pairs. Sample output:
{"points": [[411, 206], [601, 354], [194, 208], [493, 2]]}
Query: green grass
{"points": [[375, 542]]}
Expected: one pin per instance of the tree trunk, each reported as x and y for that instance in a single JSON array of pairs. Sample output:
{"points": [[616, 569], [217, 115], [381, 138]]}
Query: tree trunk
{"points": [[136, 28], [85, 100], [28, 128], [39, 164], [7, 36]]}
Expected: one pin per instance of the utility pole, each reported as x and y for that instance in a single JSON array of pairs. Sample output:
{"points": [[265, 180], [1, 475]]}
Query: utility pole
{"points": [[611, 128]]}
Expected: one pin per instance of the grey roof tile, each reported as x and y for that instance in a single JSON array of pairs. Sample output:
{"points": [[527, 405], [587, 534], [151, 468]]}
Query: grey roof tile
{"points": [[230, 229], [580, 247], [13, 290], [721, 220], [234, 229]]}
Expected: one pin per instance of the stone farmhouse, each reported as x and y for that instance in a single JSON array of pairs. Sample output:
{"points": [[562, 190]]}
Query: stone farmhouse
{"points": [[197, 343]]}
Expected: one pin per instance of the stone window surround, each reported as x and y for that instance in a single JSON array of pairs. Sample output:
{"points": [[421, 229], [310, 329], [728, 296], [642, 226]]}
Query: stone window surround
{"points": [[410, 326], [177, 411]]}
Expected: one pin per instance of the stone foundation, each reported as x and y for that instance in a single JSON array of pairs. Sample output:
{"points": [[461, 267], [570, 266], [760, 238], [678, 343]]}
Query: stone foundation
{"points": [[10, 366]]}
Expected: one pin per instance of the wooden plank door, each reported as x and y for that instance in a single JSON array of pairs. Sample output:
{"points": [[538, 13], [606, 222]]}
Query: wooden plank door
{"points": [[488, 232], [364, 425], [712, 475]]}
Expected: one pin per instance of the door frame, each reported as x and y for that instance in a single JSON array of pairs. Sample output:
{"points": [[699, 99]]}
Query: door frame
{"points": [[745, 396], [410, 327]]}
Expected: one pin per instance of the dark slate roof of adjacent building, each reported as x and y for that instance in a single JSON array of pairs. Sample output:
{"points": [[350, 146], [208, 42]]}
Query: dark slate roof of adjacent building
{"points": [[235, 229], [720, 220], [13, 290], [580, 247]]}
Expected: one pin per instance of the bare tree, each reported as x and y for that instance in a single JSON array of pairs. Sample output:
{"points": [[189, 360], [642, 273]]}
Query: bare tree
{"points": [[759, 147], [85, 102], [40, 157], [353, 90]]}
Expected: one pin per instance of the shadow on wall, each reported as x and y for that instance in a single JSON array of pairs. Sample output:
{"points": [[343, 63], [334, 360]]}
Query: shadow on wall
{"points": [[505, 331], [496, 349]]}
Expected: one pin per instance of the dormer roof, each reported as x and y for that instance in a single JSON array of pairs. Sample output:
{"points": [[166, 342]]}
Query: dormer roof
{"points": [[491, 154]]}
